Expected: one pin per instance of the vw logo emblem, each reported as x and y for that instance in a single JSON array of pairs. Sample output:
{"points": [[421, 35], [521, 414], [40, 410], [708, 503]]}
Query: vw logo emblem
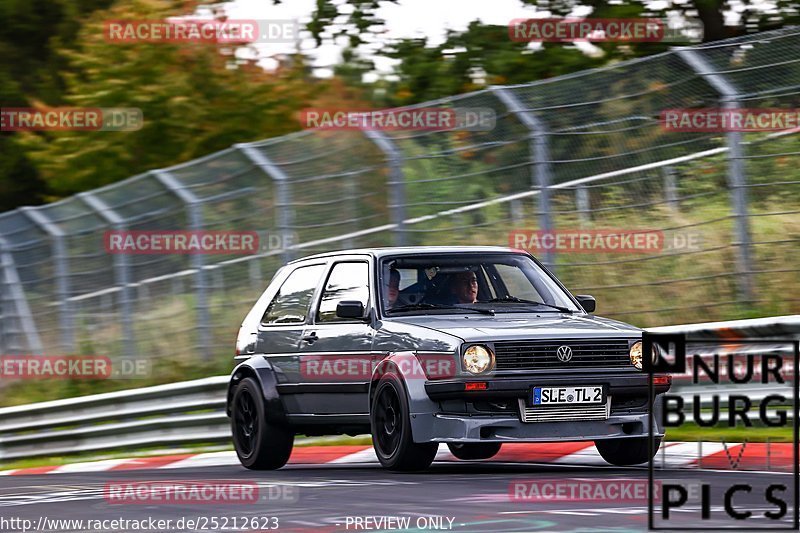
{"points": [[564, 354]]}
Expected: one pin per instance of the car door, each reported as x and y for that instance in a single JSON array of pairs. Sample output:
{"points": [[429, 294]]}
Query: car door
{"points": [[336, 358], [281, 325]]}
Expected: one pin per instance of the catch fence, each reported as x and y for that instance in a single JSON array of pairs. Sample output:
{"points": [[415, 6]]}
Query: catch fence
{"points": [[587, 152]]}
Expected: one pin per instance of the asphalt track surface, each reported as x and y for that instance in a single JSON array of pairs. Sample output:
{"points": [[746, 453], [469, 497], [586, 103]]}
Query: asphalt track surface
{"points": [[328, 498]]}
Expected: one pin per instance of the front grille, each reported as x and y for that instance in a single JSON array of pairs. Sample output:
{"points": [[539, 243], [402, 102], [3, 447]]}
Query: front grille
{"points": [[541, 355], [564, 413]]}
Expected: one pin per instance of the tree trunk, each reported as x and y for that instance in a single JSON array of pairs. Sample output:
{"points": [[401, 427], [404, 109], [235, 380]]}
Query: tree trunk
{"points": [[710, 14]]}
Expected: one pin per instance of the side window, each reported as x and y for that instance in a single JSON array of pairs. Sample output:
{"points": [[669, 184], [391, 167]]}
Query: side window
{"points": [[348, 281], [290, 305]]}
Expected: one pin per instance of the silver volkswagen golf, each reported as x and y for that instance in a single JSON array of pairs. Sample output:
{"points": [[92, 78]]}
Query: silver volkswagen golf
{"points": [[468, 346]]}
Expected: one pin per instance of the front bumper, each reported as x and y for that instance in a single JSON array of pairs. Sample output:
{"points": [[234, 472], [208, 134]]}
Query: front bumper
{"points": [[448, 426], [439, 427]]}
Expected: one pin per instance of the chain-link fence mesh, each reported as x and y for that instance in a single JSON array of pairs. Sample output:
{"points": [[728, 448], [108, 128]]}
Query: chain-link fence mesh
{"points": [[586, 151]]}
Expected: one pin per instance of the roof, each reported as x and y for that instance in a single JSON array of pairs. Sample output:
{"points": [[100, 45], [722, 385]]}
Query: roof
{"points": [[395, 250]]}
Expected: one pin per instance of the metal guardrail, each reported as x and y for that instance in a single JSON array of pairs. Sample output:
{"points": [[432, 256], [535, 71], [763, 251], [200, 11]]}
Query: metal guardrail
{"points": [[173, 414], [756, 328], [193, 411]]}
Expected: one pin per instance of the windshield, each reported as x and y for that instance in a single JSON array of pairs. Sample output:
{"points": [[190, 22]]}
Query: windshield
{"points": [[451, 283]]}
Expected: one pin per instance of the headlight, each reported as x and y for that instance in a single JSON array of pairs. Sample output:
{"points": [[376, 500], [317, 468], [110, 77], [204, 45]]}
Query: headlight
{"points": [[478, 359], [637, 354]]}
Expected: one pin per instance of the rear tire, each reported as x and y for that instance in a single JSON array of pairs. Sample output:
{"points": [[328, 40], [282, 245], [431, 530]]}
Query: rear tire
{"points": [[626, 452], [472, 451], [260, 445], [391, 429]]}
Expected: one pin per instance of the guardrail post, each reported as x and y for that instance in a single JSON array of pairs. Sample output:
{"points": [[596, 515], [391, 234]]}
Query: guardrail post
{"points": [[397, 182], [59, 249], [12, 295], [541, 175], [737, 182], [193, 207], [121, 271], [283, 193]]}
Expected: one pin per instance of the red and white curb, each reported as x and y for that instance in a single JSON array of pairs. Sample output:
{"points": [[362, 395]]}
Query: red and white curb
{"points": [[713, 455]]}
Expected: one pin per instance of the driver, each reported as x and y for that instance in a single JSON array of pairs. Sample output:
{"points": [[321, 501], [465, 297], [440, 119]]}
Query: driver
{"points": [[464, 286], [392, 288]]}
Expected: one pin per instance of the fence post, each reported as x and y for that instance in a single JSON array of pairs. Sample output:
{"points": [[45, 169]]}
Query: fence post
{"points": [[515, 211], [737, 181], [351, 205], [121, 271], [283, 193], [397, 183], [12, 294], [582, 201], [8, 340], [193, 207], [62, 275], [670, 188], [541, 175]]}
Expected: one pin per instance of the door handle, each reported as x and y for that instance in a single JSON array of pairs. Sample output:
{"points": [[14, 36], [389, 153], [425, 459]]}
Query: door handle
{"points": [[311, 337]]}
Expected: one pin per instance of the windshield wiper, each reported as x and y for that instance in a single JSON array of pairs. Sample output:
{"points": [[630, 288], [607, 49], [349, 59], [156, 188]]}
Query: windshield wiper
{"points": [[514, 299], [412, 307]]}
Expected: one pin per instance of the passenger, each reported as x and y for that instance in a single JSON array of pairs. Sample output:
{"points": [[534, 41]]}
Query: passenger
{"points": [[464, 286], [392, 288]]}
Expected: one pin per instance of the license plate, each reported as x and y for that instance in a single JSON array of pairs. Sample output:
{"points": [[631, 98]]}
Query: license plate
{"points": [[567, 395]]}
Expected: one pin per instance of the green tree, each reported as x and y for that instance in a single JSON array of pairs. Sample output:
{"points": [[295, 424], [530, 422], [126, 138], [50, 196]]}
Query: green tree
{"points": [[742, 16], [483, 54], [469, 60], [33, 38], [196, 98]]}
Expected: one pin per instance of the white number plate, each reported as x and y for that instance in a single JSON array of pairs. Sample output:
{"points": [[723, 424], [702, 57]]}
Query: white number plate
{"points": [[567, 395]]}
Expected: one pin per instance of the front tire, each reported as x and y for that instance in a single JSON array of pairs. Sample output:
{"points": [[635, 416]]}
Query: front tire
{"points": [[260, 445], [626, 452], [472, 451], [391, 429]]}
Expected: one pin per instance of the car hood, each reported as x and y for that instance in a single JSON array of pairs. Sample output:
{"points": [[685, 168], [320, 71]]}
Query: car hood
{"points": [[524, 326]]}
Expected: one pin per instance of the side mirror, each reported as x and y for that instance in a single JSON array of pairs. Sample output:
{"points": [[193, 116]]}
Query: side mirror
{"points": [[588, 303], [350, 309]]}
